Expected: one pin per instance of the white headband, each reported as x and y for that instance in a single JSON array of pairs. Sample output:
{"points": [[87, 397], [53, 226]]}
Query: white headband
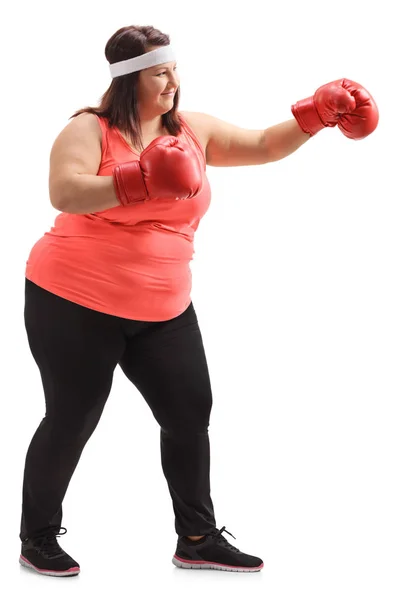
{"points": [[144, 61]]}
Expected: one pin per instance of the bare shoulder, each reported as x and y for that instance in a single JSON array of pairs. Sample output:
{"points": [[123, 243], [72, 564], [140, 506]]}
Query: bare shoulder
{"points": [[82, 131], [208, 127], [86, 122], [200, 123], [228, 145]]}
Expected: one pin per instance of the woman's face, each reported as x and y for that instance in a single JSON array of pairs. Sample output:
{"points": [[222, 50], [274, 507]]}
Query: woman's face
{"points": [[156, 88]]}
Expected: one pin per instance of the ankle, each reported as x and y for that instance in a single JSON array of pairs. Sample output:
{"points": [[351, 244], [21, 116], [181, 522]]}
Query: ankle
{"points": [[194, 538]]}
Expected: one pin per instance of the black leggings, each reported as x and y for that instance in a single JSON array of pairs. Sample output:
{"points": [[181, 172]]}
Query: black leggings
{"points": [[77, 350]]}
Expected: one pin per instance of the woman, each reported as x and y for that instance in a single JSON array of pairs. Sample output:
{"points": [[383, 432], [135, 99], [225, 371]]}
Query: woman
{"points": [[110, 283]]}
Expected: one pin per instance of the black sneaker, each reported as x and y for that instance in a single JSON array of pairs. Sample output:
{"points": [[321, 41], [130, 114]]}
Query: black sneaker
{"points": [[44, 555], [214, 552]]}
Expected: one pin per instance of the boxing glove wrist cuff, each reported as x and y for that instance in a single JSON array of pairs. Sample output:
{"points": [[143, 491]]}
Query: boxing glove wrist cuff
{"points": [[307, 116], [129, 183]]}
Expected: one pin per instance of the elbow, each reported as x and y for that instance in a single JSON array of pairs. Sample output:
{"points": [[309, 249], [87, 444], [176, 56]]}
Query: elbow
{"points": [[58, 193], [57, 203]]}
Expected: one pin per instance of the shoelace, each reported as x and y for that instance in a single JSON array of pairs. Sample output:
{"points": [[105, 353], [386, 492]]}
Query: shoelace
{"points": [[46, 542], [221, 540]]}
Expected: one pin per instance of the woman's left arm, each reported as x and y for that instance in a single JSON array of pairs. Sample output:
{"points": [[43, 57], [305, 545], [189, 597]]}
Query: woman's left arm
{"points": [[343, 102], [227, 145], [279, 141]]}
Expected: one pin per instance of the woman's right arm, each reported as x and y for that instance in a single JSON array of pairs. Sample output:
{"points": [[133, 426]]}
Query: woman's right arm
{"points": [[75, 159]]}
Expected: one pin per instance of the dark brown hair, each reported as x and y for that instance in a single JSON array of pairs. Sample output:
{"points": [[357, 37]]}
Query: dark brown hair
{"points": [[119, 103]]}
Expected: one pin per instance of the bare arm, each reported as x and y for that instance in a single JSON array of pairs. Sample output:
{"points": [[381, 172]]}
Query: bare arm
{"points": [[281, 140], [230, 146], [84, 194], [75, 159]]}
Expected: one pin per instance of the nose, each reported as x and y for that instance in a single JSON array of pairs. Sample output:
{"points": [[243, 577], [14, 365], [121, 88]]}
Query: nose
{"points": [[174, 81]]}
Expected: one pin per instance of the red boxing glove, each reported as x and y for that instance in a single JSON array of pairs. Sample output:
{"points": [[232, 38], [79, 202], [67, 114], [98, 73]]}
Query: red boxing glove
{"points": [[344, 103], [168, 168]]}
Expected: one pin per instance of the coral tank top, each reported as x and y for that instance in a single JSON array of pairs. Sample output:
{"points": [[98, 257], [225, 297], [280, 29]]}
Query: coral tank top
{"points": [[132, 262]]}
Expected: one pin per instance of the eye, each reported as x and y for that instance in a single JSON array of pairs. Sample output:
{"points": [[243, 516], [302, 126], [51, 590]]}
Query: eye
{"points": [[163, 73]]}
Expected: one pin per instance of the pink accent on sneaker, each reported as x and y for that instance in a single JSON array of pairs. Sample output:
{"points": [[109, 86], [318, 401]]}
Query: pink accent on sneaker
{"points": [[207, 562], [59, 573]]}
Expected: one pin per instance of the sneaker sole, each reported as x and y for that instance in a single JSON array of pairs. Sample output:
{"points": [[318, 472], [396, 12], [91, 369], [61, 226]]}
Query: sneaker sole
{"points": [[192, 564], [69, 573]]}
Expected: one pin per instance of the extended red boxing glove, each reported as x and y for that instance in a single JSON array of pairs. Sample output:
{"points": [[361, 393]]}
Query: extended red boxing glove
{"points": [[168, 168], [344, 103]]}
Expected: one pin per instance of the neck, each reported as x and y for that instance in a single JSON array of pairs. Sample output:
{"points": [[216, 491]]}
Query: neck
{"points": [[151, 125]]}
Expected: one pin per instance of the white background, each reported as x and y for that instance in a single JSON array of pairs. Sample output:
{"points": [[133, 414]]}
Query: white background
{"points": [[296, 287]]}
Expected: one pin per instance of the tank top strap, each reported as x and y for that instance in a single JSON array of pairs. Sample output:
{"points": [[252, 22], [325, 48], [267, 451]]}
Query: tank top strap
{"points": [[192, 136], [103, 122]]}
